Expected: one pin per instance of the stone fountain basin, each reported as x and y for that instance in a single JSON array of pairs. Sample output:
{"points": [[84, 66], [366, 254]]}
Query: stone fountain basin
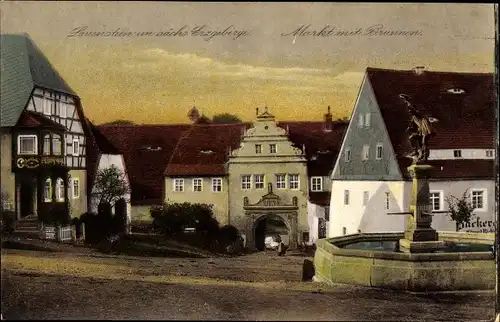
{"points": [[415, 272]]}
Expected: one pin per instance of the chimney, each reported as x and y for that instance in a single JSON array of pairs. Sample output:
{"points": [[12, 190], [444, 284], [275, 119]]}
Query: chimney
{"points": [[328, 120], [419, 70]]}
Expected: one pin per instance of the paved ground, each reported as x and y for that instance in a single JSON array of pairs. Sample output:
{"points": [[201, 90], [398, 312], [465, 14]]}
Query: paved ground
{"points": [[255, 287]]}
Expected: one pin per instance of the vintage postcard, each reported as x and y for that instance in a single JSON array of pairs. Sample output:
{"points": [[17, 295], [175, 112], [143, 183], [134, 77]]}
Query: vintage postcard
{"points": [[248, 160]]}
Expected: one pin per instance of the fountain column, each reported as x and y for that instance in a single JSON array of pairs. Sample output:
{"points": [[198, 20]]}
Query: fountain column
{"points": [[419, 235]]}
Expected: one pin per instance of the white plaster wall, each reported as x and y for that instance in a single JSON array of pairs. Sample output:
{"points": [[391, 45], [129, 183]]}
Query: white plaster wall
{"points": [[371, 217], [447, 154]]}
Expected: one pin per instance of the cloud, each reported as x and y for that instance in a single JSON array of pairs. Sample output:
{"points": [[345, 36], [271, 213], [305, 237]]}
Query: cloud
{"points": [[157, 59]]}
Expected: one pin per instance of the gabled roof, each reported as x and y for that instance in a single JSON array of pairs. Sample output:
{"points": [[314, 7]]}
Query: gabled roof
{"points": [[322, 143], [146, 150], [462, 103], [23, 66], [204, 149], [35, 119]]}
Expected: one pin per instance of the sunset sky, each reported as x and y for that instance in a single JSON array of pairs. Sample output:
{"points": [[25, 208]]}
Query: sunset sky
{"points": [[157, 79]]}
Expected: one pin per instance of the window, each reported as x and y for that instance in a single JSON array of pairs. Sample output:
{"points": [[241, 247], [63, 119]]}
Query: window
{"points": [[457, 153], [76, 147], [60, 190], [435, 200], [178, 185], [361, 120], [272, 148], [259, 181], [56, 144], [197, 184], [344, 231], [477, 199], [366, 152], [379, 151], [76, 188], [46, 103], [216, 184], [347, 155], [489, 153], [368, 119], [387, 200], [366, 197], [280, 181], [246, 182], [316, 184], [46, 144], [258, 148], [346, 197], [62, 109], [47, 190], [27, 144], [293, 181]]}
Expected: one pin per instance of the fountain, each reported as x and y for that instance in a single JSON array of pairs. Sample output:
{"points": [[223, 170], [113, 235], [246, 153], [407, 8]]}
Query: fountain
{"points": [[420, 259]]}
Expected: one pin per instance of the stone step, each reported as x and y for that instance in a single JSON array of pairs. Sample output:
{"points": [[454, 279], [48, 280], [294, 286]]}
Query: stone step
{"points": [[27, 234], [27, 226]]}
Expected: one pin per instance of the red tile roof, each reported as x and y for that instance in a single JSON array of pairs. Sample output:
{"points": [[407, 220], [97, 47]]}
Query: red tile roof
{"points": [[463, 169], [322, 144], [465, 121], [35, 119], [321, 198], [146, 150], [204, 149]]}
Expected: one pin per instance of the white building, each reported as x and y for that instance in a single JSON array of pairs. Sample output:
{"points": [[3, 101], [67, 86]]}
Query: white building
{"points": [[370, 177]]}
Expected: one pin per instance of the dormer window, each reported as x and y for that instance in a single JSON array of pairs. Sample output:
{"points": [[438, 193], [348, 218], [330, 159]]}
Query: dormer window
{"points": [[272, 148], [456, 91], [489, 153], [258, 148], [324, 151], [206, 151], [433, 119], [457, 153], [152, 148], [27, 144]]}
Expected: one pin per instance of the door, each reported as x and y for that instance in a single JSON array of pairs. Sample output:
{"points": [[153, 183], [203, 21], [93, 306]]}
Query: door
{"points": [[26, 200]]}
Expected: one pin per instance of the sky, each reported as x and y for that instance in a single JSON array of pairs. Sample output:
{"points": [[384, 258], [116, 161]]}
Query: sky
{"points": [[150, 62]]}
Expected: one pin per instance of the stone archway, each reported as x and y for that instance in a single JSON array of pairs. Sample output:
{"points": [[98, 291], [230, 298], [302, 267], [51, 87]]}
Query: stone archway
{"points": [[271, 205], [266, 225]]}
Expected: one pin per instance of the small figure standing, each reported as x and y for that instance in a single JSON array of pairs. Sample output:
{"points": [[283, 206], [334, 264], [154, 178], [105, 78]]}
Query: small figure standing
{"points": [[419, 130]]}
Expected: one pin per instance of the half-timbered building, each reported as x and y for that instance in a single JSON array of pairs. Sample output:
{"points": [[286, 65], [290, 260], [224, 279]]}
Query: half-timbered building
{"points": [[43, 135]]}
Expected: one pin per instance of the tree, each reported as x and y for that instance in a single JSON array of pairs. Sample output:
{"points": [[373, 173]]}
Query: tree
{"points": [[461, 209], [110, 186], [120, 122], [203, 120], [226, 118]]}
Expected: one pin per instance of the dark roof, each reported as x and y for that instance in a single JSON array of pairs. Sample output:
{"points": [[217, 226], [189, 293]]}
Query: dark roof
{"points": [[464, 121], [322, 144], [204, 149], [35, 119], [146, 150], [23, 67], [463, 169], [321, 198]]}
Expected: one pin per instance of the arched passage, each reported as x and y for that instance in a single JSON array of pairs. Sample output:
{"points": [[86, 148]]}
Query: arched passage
{"points": [[269, 226]]}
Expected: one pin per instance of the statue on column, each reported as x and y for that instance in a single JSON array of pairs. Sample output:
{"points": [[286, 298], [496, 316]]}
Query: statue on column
{"points": [[419, 131]]}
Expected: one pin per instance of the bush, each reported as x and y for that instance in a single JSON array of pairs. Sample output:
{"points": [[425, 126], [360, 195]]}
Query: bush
{"points": [[172, 219]]}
